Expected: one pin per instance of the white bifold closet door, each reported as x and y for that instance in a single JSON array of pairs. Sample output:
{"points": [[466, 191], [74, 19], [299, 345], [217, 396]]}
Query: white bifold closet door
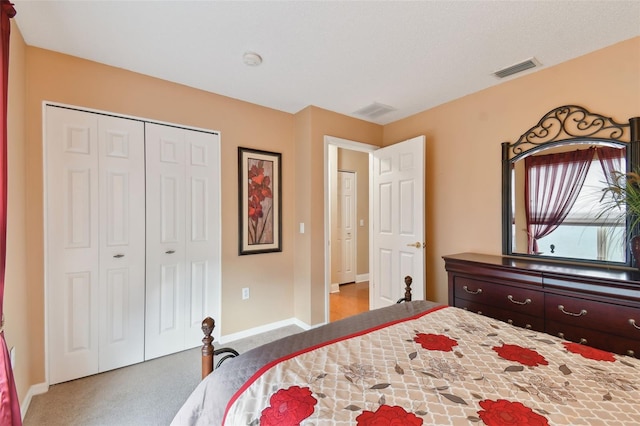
{"points": [[95, 242], [183, 249]]}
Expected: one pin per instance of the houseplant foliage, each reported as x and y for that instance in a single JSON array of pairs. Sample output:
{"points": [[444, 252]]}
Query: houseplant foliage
{"points": [[621, 198]]}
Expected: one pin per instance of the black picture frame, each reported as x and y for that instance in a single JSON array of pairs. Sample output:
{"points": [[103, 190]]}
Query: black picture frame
{"points": [[259, 201]]}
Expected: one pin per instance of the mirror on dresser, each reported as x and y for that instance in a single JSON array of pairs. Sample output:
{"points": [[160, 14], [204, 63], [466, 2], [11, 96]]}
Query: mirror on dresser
{"points": [[553, 179]]}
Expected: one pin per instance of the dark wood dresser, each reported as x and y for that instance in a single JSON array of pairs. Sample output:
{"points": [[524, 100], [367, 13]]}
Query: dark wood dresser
{"points": [[593, 305]]}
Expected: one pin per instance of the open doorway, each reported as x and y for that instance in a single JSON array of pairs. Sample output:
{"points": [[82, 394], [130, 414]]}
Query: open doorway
{"points": [[396, 205], [347, 169]]}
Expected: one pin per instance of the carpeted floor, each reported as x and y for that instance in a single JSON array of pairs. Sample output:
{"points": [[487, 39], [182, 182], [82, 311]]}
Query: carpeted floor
{"points": [[149, 393]]}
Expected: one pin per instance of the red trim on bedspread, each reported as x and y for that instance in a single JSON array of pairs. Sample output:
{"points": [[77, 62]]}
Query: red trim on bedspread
{"points": [[268, 366]]}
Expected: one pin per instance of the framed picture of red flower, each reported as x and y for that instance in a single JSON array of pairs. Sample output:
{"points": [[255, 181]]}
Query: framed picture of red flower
{"points": [[260, 203]]}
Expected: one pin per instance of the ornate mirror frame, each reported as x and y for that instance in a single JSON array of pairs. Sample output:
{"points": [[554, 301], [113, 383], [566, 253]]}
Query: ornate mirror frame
{"points": [[566, 125]]}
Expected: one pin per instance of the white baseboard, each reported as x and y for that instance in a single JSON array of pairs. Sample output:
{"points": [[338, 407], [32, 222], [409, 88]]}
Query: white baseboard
{"points": [[362, 277], [335, 288], [37, 389], [262, 329]]}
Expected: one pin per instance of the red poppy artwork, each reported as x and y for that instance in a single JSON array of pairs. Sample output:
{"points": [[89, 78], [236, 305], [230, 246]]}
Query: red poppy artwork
{"points": [[589, 352], [259, 185], [503, 413], [260, 202], [288, 407], [519, 354]]}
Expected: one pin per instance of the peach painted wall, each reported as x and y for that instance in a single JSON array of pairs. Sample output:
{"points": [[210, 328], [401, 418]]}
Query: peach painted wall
{"points": [[69, 80], [303, 197], [19, 332], [463, 154], [313, 124]]}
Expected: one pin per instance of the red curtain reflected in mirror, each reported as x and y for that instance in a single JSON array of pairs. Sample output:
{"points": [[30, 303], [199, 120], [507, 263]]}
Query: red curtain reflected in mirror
{"points": [[9, 403], [610, 160], [552, 185]]}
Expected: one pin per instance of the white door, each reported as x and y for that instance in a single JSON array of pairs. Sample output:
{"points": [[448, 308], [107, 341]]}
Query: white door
{"points": [[203, 258], [398, 221], [166, 254], [122, 245], [94, 205], [183, 254], [346, 269]]}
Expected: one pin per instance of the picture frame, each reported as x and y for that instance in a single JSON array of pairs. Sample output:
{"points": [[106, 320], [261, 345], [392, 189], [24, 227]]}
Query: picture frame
{"points": [[259, 201]]}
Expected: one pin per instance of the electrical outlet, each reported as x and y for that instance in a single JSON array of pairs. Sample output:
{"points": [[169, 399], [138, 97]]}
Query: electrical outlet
{"points": [[245, 293]]}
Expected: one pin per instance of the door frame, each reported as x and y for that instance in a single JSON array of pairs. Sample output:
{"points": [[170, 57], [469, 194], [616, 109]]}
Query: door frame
{"points": [[333, 143]]}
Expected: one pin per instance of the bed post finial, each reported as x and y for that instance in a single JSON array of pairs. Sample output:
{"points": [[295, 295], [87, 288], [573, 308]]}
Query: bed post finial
{"points": [[208, 324], [407, 290]]}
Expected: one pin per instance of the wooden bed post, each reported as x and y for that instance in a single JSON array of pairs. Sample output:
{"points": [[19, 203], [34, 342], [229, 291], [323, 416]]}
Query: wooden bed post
{"points": [[407, 290], [208, 324]]}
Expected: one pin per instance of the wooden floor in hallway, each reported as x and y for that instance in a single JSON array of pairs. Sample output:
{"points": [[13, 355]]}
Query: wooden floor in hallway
{"points": [[352, 299]]}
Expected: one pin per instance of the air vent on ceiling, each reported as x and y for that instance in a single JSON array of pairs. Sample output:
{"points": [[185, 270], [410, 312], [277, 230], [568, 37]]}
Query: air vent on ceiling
{"points": [[519, 67], [374, 110]]}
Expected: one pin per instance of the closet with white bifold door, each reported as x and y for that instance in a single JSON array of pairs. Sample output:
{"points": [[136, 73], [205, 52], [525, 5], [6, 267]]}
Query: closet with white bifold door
{"points": [[132, 239]]}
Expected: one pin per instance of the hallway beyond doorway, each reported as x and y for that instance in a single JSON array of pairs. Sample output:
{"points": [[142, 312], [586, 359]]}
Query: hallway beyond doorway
{"points": [[352, 299]]}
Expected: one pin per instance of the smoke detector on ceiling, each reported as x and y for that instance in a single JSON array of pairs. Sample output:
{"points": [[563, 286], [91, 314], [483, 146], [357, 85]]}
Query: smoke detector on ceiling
{"points": [[252, 59], [374, 110], [516, 68]]}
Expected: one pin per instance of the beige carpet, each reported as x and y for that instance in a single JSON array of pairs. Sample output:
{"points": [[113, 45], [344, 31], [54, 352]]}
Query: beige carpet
{"points": [[149, 393]]}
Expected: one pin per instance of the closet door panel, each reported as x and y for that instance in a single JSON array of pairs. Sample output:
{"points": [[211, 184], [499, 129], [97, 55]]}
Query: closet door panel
{"points": [[203, 231], [122, 241], [166, 209], [72, 247]]}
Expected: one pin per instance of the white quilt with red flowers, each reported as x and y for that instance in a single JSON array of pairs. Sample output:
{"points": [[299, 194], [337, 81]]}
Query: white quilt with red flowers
{"points": [[445, 367]]}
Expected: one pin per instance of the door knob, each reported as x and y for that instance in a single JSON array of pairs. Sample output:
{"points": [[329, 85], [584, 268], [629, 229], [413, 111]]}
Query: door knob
{"points": [[417, 244]]}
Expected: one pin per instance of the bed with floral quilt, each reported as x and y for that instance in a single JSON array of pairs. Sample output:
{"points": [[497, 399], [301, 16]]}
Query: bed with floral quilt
{"points": [[422, 364]]}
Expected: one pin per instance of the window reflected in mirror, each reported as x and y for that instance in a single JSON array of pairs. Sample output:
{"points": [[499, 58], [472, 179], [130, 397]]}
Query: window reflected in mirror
{"points": [[557, 204], [554, 202]]}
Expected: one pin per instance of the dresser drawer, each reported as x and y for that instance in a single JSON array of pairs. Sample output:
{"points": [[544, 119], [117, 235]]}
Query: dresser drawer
{"points": [[594, 338], [521, 300], [515, 318], [590, 314]]}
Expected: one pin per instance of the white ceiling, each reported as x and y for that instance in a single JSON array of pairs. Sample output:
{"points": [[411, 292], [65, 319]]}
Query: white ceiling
{"points": [[337, 55]]}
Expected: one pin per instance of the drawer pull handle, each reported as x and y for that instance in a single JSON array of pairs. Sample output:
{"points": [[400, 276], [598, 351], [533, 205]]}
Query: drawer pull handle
{"points": [[583, 341], [170, 251], [631, 353], [512, 300], [633, 323], [561, 335], [528, 326], [478, 291], [118, 256], [579, 314], [510, 321]]}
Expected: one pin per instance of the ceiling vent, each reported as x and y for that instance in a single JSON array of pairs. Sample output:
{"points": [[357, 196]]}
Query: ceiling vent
{"points": [[519, 67], [374, 110]]}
